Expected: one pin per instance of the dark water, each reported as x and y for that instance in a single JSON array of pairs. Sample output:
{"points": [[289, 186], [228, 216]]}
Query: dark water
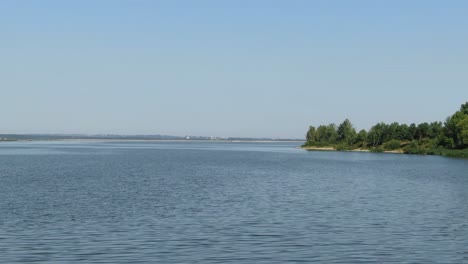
{"points": [[147, 202]]}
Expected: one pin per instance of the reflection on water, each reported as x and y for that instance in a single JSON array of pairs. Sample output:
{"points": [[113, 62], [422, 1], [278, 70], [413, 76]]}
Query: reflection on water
{"points": [[204, 202]]}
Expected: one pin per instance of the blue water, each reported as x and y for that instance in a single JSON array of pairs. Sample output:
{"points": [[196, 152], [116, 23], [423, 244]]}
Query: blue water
{"points": [[206, 202]]}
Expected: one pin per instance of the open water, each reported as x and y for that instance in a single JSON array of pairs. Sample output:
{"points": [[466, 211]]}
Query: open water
{"points": [[212, 202]]}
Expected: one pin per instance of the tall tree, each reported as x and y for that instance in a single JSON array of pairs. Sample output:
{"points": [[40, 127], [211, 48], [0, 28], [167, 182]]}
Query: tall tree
{"points": [[463, 131], [311, 137], [393, 131], [412, 131], [422, 130], [436, 129], [332, 135], [452, 128], [403, 132], [346, 132], [376, 134], [326, 134], [361, 138]]}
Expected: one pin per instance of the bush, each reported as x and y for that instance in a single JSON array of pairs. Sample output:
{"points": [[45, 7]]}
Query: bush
{"points": [[392, 144], [455, 153], [412, 148], [377, 149], [344, 146]]}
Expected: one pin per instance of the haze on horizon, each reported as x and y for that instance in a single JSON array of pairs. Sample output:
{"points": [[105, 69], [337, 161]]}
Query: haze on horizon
{"points": [[228, 68]]}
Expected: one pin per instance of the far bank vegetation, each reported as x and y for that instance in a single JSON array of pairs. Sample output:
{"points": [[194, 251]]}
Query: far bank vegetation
{"points": [[449, 138]]}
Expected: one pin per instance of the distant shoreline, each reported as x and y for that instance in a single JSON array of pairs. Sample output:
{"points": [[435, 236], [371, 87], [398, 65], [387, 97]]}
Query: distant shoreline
{"points": [[150, 140], [181, 140]]}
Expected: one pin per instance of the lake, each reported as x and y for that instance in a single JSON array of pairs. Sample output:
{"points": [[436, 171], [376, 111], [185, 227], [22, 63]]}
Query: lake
{"points": [[219, 202]]}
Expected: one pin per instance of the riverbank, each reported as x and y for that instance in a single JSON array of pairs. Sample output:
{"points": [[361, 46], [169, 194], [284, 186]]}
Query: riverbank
{"points": [[399, 151], [452, 153]]}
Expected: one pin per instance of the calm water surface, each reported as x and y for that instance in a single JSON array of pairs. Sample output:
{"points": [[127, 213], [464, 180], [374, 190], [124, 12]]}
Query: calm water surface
{"points": [[204, 202]]}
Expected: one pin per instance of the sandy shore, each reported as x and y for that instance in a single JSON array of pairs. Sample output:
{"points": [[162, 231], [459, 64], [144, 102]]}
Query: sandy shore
{"points": [[353, 150], [318, 148]]}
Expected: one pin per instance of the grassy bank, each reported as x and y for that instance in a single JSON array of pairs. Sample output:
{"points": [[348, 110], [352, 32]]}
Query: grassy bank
{"points": [[407, 148], [8, 140], [397, 151]]}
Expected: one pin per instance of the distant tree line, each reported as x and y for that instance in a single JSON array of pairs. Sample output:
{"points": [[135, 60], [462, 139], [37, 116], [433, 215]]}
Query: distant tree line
{"points": [[424, 138]]}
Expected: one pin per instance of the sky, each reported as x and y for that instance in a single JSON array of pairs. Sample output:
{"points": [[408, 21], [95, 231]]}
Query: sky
{"points": [[228, 68]]}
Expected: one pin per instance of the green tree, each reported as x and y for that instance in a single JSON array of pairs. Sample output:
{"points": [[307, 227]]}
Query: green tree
{"points": [[463, 130], [436, 129], [376, 134], [321, 134], [452, 128], [464, 108], [392, 131], [346, 132], [326, 134], [361, 139], [412, 131], [332, 135], [311, 137], [403, 132], [422, 131]]}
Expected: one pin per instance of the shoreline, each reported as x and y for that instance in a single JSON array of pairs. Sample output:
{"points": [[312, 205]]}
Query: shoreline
{"points": [[149, 140], [351, 150]]}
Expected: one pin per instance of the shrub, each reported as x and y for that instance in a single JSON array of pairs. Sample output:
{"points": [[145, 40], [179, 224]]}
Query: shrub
{"points": [[344, 146], [392, 144], [377, 149], [412, 148]]}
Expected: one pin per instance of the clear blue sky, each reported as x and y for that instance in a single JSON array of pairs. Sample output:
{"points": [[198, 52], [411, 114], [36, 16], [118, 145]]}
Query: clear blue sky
{"points": [[228, 68]]}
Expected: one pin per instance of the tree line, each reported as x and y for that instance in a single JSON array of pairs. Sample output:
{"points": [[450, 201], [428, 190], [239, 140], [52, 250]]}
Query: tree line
{"points": [[424, 138]]}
